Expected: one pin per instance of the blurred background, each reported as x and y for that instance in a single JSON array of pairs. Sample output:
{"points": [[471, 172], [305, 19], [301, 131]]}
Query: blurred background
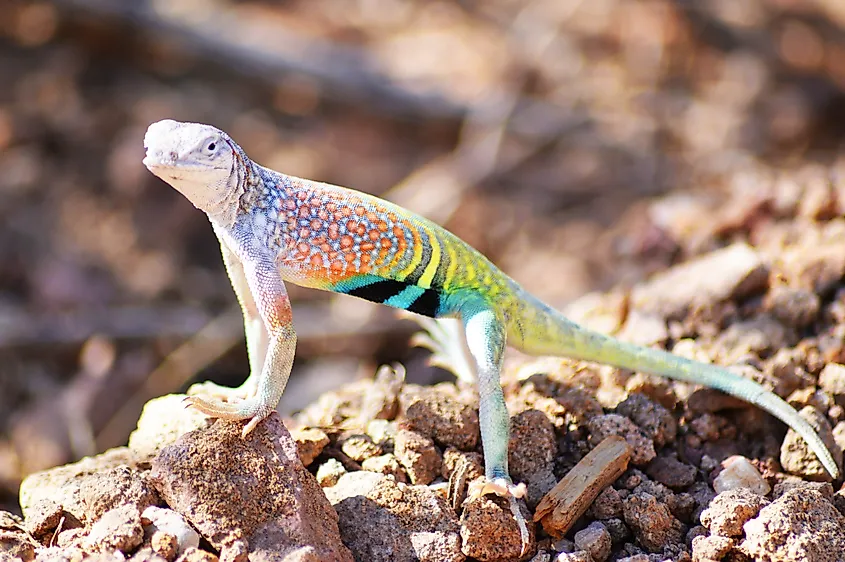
{"points": [[572, 141]]}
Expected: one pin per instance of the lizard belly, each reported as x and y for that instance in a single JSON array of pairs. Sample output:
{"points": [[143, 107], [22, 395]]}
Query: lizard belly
{"points": [[367, 286]]}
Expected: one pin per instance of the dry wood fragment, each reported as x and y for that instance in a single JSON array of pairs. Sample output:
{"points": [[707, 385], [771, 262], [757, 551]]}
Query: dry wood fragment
{"points": [[571, 497]]}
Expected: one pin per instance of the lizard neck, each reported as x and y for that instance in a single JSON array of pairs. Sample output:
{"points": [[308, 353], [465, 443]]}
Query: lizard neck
{"points": [[243, 185]]}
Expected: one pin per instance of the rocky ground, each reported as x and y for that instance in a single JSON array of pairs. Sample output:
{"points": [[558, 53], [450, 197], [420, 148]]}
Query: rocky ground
{"points": [[541, 132], [649, 470]]}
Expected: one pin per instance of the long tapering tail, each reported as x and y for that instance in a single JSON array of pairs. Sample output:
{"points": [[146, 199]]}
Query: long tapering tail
{"points": [[544, 331]]}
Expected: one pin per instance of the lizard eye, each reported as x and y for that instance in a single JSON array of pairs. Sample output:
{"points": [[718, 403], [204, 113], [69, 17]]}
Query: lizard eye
{"points": [[209, 147]]}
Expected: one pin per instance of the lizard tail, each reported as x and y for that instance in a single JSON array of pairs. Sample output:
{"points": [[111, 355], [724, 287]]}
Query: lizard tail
{"points": [[541, 330]]}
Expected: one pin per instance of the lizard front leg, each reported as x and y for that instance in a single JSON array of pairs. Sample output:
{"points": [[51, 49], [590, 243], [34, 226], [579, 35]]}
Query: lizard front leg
{"points": [[257, 336], [267, 291]]}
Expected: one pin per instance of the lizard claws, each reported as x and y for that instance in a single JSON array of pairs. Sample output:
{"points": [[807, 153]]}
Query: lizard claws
{"points": [[499, 486]]}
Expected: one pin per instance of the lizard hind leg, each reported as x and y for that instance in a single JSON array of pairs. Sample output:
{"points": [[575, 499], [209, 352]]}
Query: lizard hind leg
{"points": [[486, 336]]}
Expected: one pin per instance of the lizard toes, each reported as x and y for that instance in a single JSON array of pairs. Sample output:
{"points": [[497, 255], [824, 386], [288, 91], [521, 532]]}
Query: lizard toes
{"points": [[211, 390], [251, 410], [214, 408], [500, 486]]}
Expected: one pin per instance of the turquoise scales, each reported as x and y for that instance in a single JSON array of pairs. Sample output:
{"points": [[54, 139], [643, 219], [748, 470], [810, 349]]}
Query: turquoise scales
{"points": [[275, 228]]}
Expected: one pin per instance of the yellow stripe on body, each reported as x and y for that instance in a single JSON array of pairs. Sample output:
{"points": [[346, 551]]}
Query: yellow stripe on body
{"points": [[452, 267], [433, 263]]}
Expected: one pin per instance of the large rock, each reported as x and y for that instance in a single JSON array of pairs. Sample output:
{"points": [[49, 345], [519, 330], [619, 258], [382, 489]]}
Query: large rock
{"points": [[255, 489]]}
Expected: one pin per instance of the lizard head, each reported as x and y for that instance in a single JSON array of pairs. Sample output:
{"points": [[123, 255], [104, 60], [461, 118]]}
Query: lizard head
{"points": [[197, 160]]}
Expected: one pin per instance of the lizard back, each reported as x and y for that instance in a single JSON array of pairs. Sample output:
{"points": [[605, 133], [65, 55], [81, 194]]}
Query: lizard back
{"points": [[342, 240]]}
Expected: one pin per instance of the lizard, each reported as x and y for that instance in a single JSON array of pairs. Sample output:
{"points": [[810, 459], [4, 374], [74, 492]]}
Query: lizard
{"points": [[275, 228]]}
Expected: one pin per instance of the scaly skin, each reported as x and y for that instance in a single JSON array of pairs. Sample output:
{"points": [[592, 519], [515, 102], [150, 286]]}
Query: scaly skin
{"points": [[274, 228]]}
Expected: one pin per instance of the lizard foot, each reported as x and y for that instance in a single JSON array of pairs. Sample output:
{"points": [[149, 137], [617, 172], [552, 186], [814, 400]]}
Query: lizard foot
{"points": [[502, 487], [251, 409], [223, 393]]}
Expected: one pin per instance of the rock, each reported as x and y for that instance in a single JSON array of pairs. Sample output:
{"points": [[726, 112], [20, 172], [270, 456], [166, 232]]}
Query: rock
{"points": [[15, 542], [330, 472], [85, 490], [471, 463], [797, 458], [712, 548], [660, 492], [163, 420], [730, 510], [607, 505], [682, 506], [594, 539], [71, 538], [118, 529], [542, 557], [359, 447], [817, 262], [671, 472], [351, 484], [385, 464], [617, 529], [382, 399], [438, 413], [735, 271], [793, 306], [417, 453], [310, 442], [531, 453], [655, 420], [644, 329], [11, 522], [703, 495], [166, 521], [708, 426], [489, 530], [784, 372], [333, 408], [255, 488], [72, 554], [642, 448], [651, 522], [832, 381], [383, 433], [44, 517], [237, 551], [738, 472], [165, 545], [756, 336], [800, 526], [382, 520], [839, 434], [795, 483]]}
